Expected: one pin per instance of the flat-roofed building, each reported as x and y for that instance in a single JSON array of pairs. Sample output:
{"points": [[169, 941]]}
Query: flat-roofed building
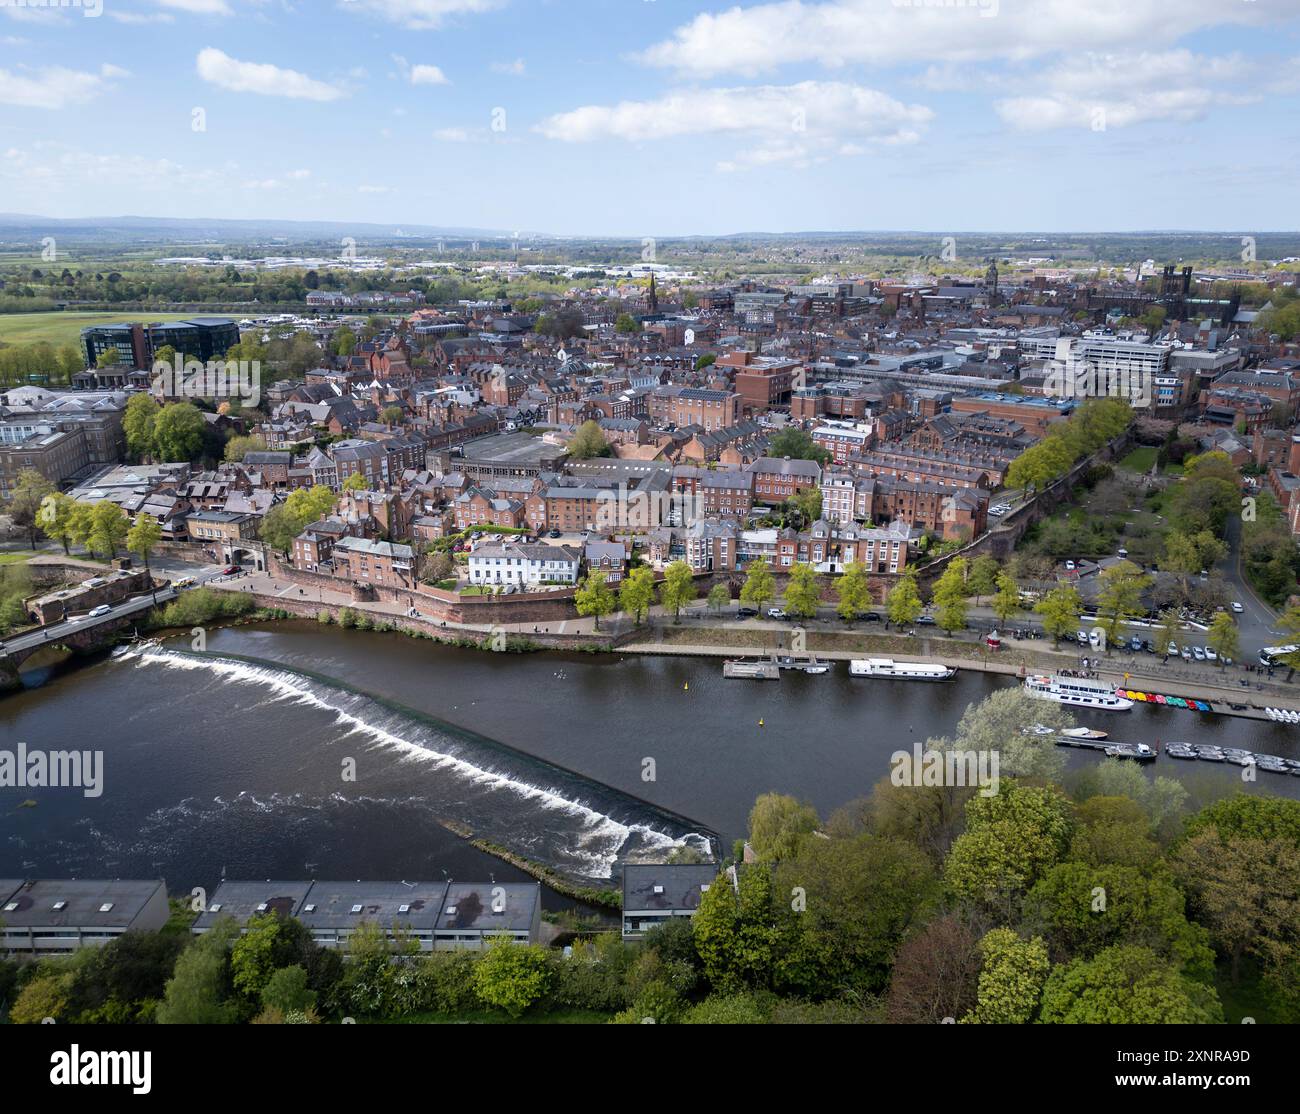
{"points": [[52, 917], [245, 900], [333, 911], [654, 894], [474, 914]]}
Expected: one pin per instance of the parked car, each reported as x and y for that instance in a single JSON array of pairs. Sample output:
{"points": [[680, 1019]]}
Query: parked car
{"points": [[925, 621], [1187, 654], [102, 609], [775, 613], [1172, 650], [1237, 608], [746, 612], [871, 617], [1081, 637], [553, 534], [1135, 644], [1210, 655], [1198, 653], [1069, 566]]}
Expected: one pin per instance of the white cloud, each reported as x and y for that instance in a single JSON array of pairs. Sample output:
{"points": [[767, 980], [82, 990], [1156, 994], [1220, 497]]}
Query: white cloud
{"points": [[428, 75], [1103, 91], [452, 135], [815, 108], [837, 33], [198, 7], [517, 68], [422, 15], [218, 68], [55, 86], [420, 74], [374, 189], [137, 19]]}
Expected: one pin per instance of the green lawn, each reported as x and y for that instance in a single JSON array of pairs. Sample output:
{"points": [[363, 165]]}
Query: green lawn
{"points": [[65, 328], [1140, 460]]}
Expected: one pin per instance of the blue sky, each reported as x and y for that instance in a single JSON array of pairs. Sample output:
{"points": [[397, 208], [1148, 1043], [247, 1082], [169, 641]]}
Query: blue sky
{"points": [[657, 117]]}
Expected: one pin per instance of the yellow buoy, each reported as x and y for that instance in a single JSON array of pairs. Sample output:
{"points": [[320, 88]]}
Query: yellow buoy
{"points": [[686, 687], [760, 723]]}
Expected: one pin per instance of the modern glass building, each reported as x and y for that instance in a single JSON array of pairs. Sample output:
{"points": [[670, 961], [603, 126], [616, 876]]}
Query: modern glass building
{"points": [[200, 338]]}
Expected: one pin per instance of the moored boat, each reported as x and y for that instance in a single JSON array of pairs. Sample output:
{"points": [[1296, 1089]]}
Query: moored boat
{"points": [[900, 670], [1084, 733], [1180, 750], [1076, 692]]}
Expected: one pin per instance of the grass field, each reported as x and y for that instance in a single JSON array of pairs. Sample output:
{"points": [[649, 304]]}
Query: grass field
{"points": [[1140, 460], [65, 328]]}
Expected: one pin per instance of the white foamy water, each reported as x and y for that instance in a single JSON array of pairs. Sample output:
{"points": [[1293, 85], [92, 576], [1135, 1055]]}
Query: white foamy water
{"points": [[580, 827]]}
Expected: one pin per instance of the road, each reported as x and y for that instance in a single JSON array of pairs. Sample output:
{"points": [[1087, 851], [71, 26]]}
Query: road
{"points": [[55, 632]]}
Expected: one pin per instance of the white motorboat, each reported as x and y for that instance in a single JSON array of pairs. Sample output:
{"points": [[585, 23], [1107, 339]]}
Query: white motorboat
{"points": [[900, 670]]}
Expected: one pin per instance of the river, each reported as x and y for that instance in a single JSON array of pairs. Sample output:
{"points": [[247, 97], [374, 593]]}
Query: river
{"points": [[240, 759]]}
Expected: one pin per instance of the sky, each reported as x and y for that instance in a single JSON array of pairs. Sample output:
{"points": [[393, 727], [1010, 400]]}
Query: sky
{"points": [[658, 117]]}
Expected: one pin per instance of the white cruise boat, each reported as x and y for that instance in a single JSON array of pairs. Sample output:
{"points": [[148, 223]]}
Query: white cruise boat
{"points": [[900, 670], [1077, 692]]}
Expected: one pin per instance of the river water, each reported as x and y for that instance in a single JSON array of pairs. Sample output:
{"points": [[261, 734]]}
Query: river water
{"points": [[296, 750]]}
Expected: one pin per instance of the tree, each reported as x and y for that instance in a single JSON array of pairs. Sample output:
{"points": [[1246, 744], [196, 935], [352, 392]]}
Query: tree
{"points": [[950, 596], [854, 591], [344, 342], [109, 528], [355, 482], [760, 584], [268, 943], [392, 415], [637, 593], [1006, 601], [25, 505], [44, 996], [511, 977], [1011, 840], [719, 597], [1060, 610], [56, 515], [287, 992], [1119, 598], [998, 724], [983, 577], [1126, 985], [178, 432], [797, 445], [1011, 979], [198, 993], [239, 447], [144, 536], [777, 825], [802, 592], [1222, 637], [904, 600], [743, 935], [438, 567], [588, 442], [678, 588], [594, 597], [138, 421], [627, 324], [861, 896], [935, 973]]}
